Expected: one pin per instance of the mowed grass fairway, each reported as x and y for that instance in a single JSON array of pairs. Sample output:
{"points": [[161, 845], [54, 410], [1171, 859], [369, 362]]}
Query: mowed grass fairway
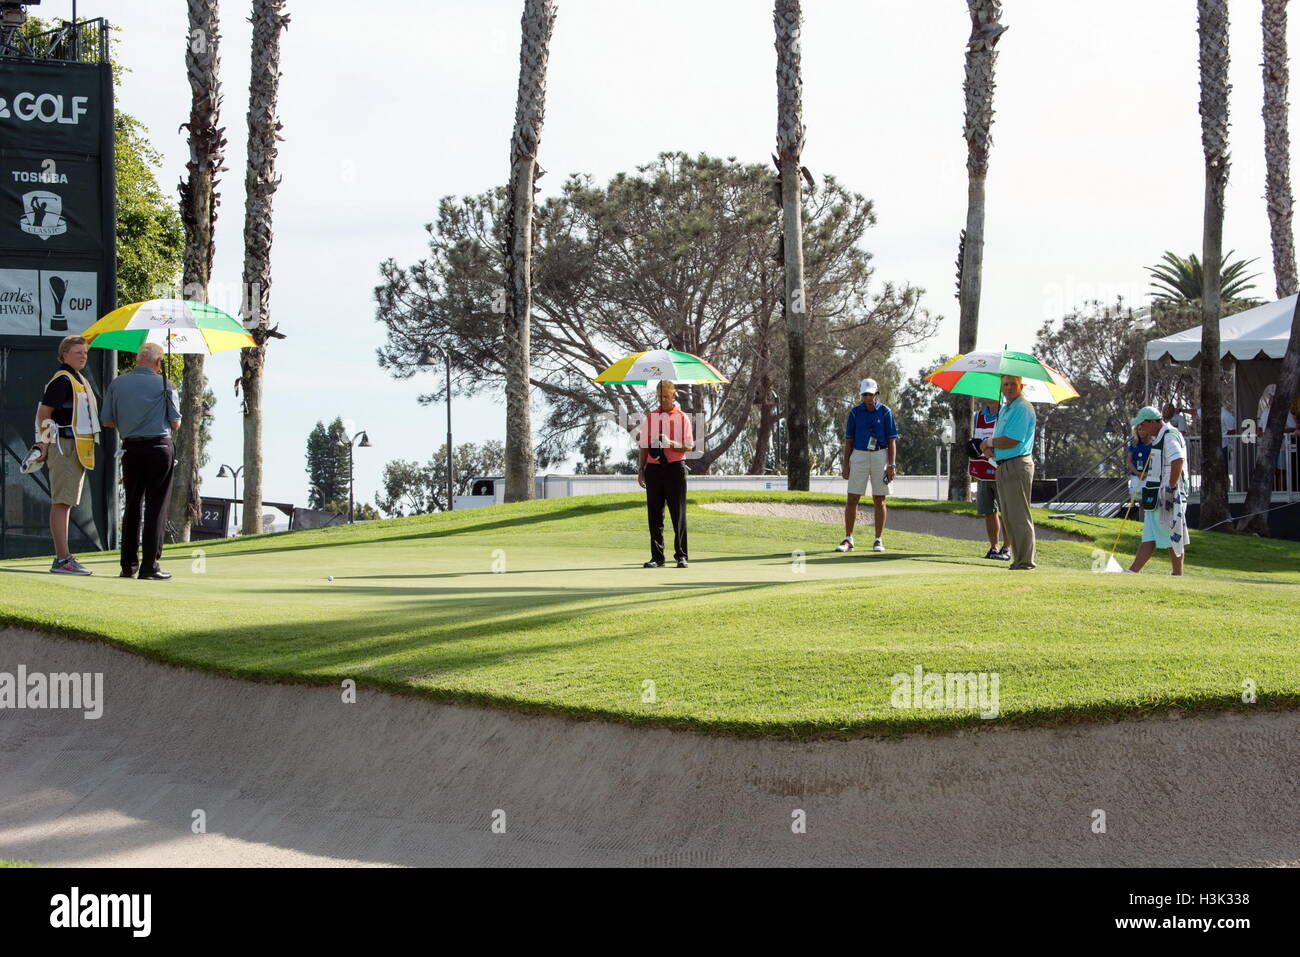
{"points": [[544, 606]]}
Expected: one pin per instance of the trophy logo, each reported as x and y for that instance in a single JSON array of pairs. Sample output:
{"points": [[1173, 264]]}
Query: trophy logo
{"points": [[58, 289], [43, 214]]}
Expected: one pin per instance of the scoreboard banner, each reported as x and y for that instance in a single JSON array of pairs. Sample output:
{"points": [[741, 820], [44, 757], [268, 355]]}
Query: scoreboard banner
{"points": [[57, 251], [58, 274], [57, 107]]}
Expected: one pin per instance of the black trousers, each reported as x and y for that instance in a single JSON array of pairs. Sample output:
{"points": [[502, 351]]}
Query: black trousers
{"points": [[666, 485], [147, 466]]}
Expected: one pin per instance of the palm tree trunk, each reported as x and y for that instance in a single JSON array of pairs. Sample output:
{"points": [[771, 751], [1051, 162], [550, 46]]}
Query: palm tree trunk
{"points": [[1213, 31], [1277, 191], [260, 184], [1277, 147], [198, 204], [788, 20], [981, 58], [530, 109]]}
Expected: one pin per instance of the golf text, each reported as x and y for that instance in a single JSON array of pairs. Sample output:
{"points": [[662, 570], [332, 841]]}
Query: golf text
{"points": [[36, 690], [102, 910], [953, 690]]}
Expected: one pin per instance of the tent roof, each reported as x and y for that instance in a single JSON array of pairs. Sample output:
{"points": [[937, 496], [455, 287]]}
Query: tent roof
{"points": [[1245, 335]]}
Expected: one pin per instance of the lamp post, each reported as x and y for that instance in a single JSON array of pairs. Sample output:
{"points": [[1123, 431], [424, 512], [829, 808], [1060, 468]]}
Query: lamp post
{"points": [[428, 361], [233, 474], [349, 441]]}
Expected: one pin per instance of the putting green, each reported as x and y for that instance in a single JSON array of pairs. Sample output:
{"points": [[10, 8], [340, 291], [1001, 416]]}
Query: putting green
{"points": [[544, 605]]}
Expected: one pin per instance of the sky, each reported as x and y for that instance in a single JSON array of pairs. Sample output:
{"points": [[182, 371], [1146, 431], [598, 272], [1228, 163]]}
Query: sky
{"points": [[1096, 166]]}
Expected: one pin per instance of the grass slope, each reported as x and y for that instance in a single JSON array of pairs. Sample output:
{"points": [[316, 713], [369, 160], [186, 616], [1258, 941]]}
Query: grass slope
{"points": [[544, 606]]}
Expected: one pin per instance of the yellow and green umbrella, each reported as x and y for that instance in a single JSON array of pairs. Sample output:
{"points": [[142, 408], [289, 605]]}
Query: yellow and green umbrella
{"points": [[657, 365], [178, 325], [980, 374]]}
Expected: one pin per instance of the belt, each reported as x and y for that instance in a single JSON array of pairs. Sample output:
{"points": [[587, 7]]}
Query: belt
{"points": [[1012, 458], [145, 438]]}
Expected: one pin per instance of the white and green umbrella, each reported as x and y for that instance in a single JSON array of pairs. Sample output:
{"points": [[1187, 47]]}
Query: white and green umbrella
{"points": [[178, 325], [656, 365]]}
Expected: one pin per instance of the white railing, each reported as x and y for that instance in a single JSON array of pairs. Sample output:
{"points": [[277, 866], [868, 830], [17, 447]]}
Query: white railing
{"points": [[933, 487], [563, 486], [1241, 466]]}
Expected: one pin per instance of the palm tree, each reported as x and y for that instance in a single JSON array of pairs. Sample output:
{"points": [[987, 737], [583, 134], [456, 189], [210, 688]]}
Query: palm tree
{"points": [[1277, 190], [788, 20], [530, 109], [986, 29], [199, 200], [260, 184], [1277, 147], [1180, 279], [1212, 29]]}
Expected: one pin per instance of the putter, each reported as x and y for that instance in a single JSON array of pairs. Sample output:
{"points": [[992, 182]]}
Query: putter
{"points": [[1111, 564]]}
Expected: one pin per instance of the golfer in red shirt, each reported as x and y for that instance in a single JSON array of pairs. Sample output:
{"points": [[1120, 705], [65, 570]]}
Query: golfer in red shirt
{"points": [[665, 439]]}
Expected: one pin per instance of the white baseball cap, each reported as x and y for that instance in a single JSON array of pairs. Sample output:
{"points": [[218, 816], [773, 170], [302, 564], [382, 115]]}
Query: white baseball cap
{"points": [[869, 385]]}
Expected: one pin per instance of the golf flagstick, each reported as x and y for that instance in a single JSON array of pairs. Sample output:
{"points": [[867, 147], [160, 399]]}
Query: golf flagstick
{"points": [[1111, 564]]}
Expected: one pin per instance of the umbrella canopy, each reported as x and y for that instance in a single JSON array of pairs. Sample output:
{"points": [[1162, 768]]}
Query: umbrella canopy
{"points": [[657, 365], [178, 325], [980, 374]]}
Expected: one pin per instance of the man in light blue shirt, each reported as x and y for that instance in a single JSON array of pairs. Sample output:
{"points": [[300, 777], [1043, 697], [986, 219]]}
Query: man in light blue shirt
{"points": [[1012, 446]]}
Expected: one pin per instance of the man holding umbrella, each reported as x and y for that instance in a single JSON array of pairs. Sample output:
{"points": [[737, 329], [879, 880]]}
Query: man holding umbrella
{"points": [[1020, 379], [666, 437], [142, 406], [1012, 446]]}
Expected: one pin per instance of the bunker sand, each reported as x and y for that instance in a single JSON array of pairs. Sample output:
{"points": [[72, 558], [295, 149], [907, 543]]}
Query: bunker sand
{"points": [[291, 775]]}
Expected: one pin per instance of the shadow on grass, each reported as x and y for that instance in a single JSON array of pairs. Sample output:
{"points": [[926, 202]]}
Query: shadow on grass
{"points": [[435, 531], [449, 630]]}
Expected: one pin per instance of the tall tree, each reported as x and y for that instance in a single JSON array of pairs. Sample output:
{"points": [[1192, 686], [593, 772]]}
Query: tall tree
{"points": [[260, 184], [530, 109], [981, 58], [1277, 147], [327, 464], [1212, 29], [1277, 159], [678, 254], [788, 20], [199, 200]]}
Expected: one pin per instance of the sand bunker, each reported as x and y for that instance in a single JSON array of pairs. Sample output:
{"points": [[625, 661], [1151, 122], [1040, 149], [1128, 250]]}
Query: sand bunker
{"points": [[291, 775], [922, 521]]}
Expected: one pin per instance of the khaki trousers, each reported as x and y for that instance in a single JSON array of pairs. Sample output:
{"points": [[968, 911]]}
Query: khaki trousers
{"points": [[1015, 481]]}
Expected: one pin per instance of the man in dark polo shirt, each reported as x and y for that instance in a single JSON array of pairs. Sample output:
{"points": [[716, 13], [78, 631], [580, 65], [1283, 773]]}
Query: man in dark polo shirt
{"points": [[66, 432], [142, 406]]}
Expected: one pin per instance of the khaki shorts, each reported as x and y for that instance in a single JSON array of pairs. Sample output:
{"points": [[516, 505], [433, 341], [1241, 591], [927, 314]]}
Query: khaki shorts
{"points": [[868, 468], [67, 474]]}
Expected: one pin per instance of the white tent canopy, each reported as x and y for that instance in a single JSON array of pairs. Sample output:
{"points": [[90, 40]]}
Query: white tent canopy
{"points": [[1243, 336]]}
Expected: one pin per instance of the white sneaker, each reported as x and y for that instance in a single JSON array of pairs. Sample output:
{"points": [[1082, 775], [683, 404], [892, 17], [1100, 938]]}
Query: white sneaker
{"points": [[878, 546], [1129, 571], [846, 545]]}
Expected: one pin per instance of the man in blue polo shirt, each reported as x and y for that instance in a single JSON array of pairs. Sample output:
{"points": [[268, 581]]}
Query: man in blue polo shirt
{"points": [[1012, 446], [870, 447]]}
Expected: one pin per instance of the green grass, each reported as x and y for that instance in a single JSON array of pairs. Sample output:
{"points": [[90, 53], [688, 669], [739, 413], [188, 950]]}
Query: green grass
{"points": [[742, 641], [4, 863]]}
